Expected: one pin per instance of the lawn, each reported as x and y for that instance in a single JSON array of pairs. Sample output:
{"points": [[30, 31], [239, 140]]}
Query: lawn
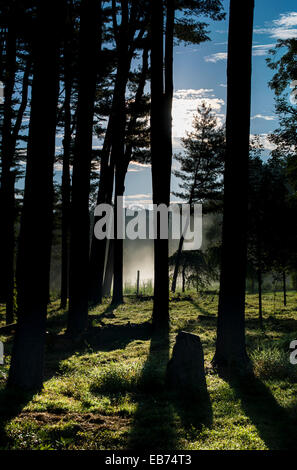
{"points": [[107, 391]]}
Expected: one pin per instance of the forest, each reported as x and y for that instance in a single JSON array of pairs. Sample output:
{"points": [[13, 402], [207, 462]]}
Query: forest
{"points": [[147, 342]]}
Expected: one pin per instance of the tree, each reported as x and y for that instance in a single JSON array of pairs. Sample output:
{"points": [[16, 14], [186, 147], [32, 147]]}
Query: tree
{"points": [[230, 343], [161, 167], [90, 44], [66, 184], [16, 63], [201, 169], [26, 371]]}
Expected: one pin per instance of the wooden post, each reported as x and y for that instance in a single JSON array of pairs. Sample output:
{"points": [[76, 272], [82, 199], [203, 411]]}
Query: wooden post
{"points": [[137, 284]]}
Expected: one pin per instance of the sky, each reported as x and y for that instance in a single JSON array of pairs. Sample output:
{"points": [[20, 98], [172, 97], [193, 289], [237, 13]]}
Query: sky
{"points": [[200, 75]]}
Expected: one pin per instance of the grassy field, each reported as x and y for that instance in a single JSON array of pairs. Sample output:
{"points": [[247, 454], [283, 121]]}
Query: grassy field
{"points": [[108, 392]]}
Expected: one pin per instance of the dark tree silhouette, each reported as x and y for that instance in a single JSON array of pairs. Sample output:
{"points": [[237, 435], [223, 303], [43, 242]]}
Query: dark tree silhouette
{"points": [[90, 40], [230, 343], [66, 185], [26, 371], [161, 150]]}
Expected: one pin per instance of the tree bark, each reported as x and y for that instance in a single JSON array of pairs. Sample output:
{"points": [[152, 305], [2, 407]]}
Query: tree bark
{"points": [[177, 264], [260, 297], [98, 248], [161, 147], [230, 344], [66, 185], [80, 223], [26, 371], [7, 179], [285, 288], [183, 279], [108, 273]]}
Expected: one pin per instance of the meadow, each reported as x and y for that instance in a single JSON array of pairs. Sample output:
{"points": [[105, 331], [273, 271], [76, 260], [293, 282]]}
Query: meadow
{"points": [[107, 390]]}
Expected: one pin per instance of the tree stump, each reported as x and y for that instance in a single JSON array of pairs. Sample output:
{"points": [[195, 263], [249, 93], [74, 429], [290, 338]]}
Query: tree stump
{"points": [[185, 370]]}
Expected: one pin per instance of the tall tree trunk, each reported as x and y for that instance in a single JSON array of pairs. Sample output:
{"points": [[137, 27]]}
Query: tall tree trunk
{"points": [[253, 285], [98, 248], [117, 297], [161, 148], [259, 274], [177, 264], [183, 279], [285, 287], [230, 344], [66, 188], [26, 371], [80, 224], [121, 171], [108, 274], [7, 179]]}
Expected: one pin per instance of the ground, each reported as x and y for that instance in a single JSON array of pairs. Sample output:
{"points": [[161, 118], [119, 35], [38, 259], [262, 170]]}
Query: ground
{"points": [[108, 392]]}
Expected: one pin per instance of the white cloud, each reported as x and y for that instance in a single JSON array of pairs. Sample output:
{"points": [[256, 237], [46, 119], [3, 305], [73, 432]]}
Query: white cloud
{"points": [[266, 118], [267, 145], [287, 19], [142, 165], [262, 49], [258, 50], [216, 57], [282, 28], [136, 167], [185, 103]]}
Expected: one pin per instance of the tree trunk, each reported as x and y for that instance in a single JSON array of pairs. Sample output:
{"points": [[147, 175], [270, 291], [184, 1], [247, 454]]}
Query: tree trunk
{"points": [[121, 171], [177, 264], [230, 344], [183, 279], [260, 297], [26, 371], [253, 285], [117, 297], [80, 224], [161, 145], [7, 180], [285, 288], [98, 248], [108, 274], [66, 189]]}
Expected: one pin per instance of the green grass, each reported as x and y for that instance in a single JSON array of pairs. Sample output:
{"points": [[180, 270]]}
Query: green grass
{"points": [[108, 391]]}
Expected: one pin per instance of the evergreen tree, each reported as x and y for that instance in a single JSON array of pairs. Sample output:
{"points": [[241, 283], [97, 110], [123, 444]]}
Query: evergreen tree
{"points": [[230, 344], [201, 168]]}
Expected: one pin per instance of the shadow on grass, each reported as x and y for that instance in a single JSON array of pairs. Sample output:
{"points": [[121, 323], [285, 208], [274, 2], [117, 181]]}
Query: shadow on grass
{"points": [[154, 426], [275, 426], [11, 405], [163, 417], [201, 309]]}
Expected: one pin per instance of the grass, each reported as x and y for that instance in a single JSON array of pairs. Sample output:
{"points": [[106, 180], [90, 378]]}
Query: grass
{"points": [[108, 391]]}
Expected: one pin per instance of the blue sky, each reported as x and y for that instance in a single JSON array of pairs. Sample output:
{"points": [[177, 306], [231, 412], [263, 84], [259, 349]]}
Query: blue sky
{"points": [[200, 74]]}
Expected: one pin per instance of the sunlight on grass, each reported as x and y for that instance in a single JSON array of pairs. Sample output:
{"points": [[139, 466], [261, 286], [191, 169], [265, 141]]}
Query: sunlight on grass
{"points": [[110, 393]]}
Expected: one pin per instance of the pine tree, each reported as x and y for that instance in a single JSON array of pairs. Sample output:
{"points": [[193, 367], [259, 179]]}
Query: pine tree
{"points": [[230, 344], [201, 168]]}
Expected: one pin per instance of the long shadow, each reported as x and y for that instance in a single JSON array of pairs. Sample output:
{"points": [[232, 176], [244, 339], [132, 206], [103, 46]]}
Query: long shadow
{"points": [[194, 410], [107, 338], [201, 309], [11, 404], [161, 412], [154, 427], [275, 426]]}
